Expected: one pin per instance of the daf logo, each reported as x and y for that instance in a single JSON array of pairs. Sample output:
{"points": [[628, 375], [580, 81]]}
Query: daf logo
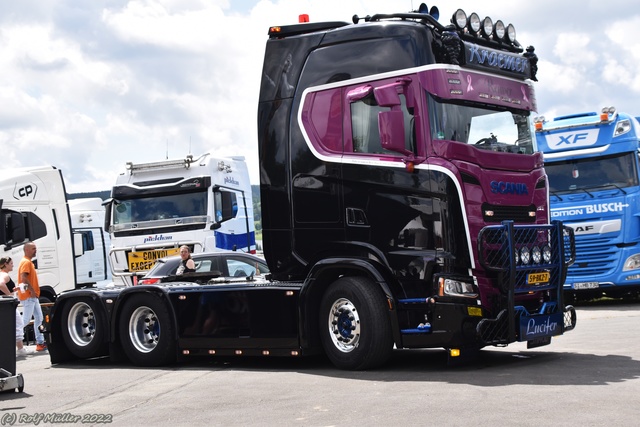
{"points": [[584, 229], [567, 140]]}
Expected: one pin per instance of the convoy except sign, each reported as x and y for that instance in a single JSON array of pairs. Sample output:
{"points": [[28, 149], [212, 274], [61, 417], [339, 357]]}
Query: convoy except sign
{"points": [[144, 260]]}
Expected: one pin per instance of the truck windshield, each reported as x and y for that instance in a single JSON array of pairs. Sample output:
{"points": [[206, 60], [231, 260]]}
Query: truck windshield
{"points": [[162, 207], [617, 171], [481, 126]]}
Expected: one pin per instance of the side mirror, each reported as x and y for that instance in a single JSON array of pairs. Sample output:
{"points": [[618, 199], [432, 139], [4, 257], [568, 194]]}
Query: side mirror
{"points": [[391, 128], [78, 247]]}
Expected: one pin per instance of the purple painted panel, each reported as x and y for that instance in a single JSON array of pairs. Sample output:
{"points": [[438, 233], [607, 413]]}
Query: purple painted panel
{"points": [[455, 83], [322, 118]]}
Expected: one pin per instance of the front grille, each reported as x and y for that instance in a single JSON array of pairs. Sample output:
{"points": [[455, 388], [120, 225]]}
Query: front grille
{"points": [[500, 249], [595, 256]]}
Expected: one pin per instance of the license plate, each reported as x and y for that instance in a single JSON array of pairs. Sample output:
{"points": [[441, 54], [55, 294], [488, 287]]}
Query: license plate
{"points": [[586, 285], [144, 260], [535, 278], [539, 342], [540, 326]]}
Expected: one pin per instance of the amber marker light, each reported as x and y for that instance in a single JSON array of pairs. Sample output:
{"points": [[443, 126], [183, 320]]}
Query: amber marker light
{"points": [[410, 166], [441, 287], [454, 352]]}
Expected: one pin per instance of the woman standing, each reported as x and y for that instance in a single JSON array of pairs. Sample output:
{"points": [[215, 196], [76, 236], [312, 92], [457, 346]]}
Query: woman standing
{"points": [[6, 287], [187, 265]]}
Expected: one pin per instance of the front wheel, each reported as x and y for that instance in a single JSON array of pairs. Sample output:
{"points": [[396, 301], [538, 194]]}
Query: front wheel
{"points": [[354, 324], [147, 331], [83, 331]]}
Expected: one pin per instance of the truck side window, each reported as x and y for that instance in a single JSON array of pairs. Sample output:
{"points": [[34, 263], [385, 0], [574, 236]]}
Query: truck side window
{"points": [[19, 227], [225, 205], [87, 241], [364, 126]]}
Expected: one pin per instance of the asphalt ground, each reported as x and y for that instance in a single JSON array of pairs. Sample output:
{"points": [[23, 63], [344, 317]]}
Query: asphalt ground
{"points": [[588, 377]]}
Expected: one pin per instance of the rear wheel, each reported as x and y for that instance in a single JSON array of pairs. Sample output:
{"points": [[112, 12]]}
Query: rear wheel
{"points": [[83, 332], [354, 324], [147, 331]]}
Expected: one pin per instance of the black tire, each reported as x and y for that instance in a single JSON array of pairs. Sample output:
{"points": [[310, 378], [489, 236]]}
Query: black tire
{"points": [[354, 324], [147, 331], [83, 330]]}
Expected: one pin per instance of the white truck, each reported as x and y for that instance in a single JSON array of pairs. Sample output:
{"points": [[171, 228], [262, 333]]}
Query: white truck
{"points": [[34, 207], [87, 220], [157, 207]]}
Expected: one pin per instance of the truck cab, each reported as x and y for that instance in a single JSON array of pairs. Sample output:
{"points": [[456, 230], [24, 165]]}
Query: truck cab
{"points": [[591, 160], [157, 207], [403, 205], [34, 208]]}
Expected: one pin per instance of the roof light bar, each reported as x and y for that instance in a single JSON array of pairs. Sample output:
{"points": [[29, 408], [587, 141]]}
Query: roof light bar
{"points": [[167, 164], [485, 28]]}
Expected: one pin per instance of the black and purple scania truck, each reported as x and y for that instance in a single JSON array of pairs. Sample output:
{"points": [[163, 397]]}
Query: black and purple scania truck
{"points": [[403, 206]]}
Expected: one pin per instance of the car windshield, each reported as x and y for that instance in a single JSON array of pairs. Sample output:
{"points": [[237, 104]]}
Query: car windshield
{"points": [[617, 171], [480, 126], [161, 208]]}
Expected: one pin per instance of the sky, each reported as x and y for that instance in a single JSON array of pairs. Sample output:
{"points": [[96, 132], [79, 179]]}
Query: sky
{"points": [[87, 86]]}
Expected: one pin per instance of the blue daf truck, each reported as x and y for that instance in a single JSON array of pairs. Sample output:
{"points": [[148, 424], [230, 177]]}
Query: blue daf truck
{"points": [[403, 206], [591, 160]]}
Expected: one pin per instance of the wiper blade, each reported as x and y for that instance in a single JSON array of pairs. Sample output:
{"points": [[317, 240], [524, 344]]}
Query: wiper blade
{"points": [[610, 185]]}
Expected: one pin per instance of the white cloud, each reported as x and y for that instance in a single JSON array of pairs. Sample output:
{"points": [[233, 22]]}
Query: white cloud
{"points": [[575, 49]]}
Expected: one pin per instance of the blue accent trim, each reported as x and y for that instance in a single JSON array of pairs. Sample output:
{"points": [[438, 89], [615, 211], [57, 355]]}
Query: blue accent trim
{"points": [[426, 329], [229, 241], [413, 301]]}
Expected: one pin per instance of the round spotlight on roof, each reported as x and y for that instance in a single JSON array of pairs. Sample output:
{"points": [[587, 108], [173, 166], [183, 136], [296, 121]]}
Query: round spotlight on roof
{"points": [[511, 33], [487, 27], [474, 22], [500, 30], [459, 19], [423, 8]]}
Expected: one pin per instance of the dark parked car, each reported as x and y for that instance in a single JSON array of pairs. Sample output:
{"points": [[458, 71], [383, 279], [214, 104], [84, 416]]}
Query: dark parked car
{"points": [[209, 265]]}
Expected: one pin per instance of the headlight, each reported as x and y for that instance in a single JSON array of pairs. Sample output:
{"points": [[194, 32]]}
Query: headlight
{"points": [[536, 255], [458, 288], [546, 254], [487, 27], [622, 127], [632, 263], [474, 22], [460, 19], [511, 33], [500, 30], [525, 255]]}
